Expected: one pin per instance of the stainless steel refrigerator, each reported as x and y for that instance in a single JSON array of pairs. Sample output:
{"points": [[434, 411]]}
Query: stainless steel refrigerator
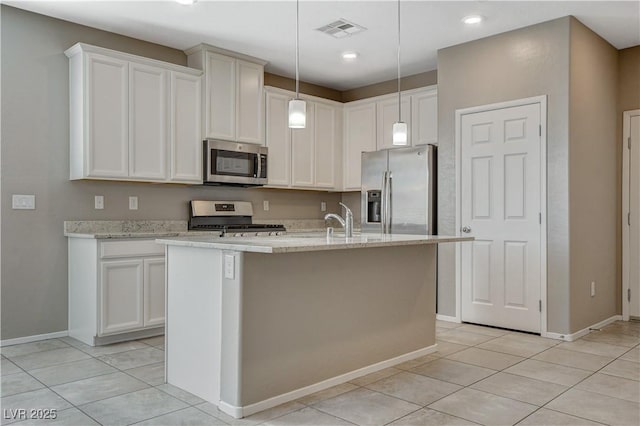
{"points": [[399, 191]]}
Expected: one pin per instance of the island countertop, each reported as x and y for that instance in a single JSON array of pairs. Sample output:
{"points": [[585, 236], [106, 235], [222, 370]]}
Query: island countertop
{"points": [[309, 242]]}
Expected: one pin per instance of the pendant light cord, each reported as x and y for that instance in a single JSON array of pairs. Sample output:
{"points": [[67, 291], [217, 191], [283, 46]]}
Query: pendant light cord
{"points": [[399, 99], [297, 48]]}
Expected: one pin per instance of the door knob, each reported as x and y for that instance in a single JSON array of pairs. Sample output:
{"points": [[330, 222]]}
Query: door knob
{"points": [[466, 229]]}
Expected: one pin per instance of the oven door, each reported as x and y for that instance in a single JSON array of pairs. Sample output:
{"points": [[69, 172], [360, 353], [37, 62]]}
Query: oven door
{"points": [[235, 163]]}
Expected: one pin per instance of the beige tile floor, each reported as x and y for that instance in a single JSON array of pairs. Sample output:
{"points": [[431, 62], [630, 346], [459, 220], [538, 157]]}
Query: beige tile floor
{"points": [[479, 375]]}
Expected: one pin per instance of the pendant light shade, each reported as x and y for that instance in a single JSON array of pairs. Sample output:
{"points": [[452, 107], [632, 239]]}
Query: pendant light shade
{"points": [[297, 114], [297, 107], [400, 134]]}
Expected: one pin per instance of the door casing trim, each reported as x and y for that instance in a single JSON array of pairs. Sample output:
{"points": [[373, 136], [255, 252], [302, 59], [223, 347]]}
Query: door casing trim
{"points": [[459, 113], [626, 229]]}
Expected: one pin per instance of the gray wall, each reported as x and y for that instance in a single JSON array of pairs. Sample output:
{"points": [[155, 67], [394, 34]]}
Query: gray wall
{"points": [[578, 71], [526, 62], [35, 160], [593, 177]]}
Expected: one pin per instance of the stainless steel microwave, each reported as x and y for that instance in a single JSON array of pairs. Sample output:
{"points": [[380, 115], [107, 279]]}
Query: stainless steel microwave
{"points": [[234, 163]]}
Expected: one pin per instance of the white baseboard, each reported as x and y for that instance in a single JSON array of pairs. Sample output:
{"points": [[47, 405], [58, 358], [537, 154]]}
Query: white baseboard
{"points": [[36, 338], [578, 334], [447, 318], [239, 412]]}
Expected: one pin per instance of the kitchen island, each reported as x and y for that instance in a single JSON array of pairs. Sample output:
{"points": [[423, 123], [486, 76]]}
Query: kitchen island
{"points": [[256, 322]]}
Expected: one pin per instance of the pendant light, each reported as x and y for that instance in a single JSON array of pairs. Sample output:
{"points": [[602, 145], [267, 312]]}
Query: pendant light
{"points": [[399, 127], [297, 107]]}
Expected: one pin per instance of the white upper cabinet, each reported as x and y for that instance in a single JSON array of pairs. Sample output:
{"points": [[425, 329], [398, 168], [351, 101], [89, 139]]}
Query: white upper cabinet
{"points": [[103, 116], [387, 111], [220, 101], [303, 152], [327, 134], [368, 126], [359, 136], [424, 117], [249, 113], [233, 94], [186, 156], [133, 118], [148, 121], [308, 158], [387, 114], [278, 139]]}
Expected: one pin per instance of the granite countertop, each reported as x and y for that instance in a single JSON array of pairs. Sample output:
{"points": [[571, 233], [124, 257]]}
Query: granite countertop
{"points": [[308, 242], [106, 229]]}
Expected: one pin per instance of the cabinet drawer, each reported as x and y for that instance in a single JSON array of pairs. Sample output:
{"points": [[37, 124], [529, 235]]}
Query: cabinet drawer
{"points": [[114, 249]]}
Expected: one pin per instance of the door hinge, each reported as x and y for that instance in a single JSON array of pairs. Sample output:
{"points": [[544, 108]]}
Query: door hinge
{"points": [[539, 129], [629, 295], [629, 218], [540, 305], [629, 143], [540, 218]]}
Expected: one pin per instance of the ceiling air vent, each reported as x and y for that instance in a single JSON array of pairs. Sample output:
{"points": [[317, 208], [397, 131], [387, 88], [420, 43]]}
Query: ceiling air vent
{"points": [[341, 28]]}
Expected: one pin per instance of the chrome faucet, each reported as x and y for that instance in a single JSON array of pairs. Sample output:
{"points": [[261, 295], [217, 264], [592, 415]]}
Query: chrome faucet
{"points": [[346, 223]]}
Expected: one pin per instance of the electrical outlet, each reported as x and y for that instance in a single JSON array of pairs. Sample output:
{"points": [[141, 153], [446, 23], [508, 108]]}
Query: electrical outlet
{"points": [[593, 288], [133, 203], [23, 202], [229, 266], [323, 206], [98, 201], [265, 205]]}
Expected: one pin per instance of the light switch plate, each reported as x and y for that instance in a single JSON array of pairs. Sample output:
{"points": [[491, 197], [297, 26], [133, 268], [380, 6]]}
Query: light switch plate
{"points": [[323, 206], [229, 266], [265, 205], [99, 202], [23, 202], [133, 203]]}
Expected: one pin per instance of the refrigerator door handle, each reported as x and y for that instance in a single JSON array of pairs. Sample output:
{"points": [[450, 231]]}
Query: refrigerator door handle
{"points": [[389, 201], [383, 203]]}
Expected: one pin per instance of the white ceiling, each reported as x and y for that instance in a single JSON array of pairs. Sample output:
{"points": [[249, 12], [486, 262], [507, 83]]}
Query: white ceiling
{"points": [[266, 29]]}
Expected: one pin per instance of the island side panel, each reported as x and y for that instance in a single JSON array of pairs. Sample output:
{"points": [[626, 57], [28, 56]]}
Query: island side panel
{"points": [[308, 317], [193, 320]]}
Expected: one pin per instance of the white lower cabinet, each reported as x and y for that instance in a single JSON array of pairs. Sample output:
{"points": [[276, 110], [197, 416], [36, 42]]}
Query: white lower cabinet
{"points": [[116, 289], [153, 292], [121, 295]]}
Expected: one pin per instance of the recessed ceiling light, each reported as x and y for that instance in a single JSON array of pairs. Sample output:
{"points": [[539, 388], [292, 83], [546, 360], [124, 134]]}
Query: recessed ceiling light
{"points": [[349, 56], [472, 19], [186, 2]]}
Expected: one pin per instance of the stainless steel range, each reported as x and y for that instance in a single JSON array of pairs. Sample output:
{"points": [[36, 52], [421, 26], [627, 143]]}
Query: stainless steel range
{"points": [[232, 218]]}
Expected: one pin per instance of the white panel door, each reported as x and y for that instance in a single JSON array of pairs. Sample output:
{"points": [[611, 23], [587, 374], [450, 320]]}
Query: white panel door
{"points": [[302, 152], [107, 117], [634, 218], [148, 122], [325, 142], [387, 115], [121, 286], [220, 102], [359, 136], [249, 101], [424, 118], [500, 203], [185, 142], [154, 309], [278, 139]]}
